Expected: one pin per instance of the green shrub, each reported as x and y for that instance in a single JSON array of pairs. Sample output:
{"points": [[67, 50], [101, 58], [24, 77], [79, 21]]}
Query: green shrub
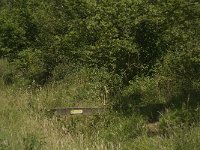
{"points": [[175, 118], [6, 73]]}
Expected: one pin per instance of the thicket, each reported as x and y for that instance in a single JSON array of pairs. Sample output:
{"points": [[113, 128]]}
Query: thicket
{"points": [[140, 55], [150, 45]]}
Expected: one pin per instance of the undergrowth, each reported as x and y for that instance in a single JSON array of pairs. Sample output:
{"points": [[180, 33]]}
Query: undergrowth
{"points": [[26, 124]]}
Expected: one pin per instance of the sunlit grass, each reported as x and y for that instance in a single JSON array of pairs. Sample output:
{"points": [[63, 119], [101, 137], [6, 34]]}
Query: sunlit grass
{"points": [[23, 127], [25, 123]]}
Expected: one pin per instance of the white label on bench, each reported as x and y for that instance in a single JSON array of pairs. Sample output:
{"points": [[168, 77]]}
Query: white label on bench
{"points": [[79, 111]]}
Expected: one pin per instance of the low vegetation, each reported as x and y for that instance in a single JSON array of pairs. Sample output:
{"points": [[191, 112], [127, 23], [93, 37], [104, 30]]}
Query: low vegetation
{"points": [[27, 124]]}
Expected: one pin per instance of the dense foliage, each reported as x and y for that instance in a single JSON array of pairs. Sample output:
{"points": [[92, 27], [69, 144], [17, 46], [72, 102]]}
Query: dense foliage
{"points": [[141, 58], [146, 50]]}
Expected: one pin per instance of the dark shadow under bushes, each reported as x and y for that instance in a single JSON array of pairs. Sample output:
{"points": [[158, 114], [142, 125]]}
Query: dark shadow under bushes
{"points": [[127, 106], [186, 104], [6, 72]]}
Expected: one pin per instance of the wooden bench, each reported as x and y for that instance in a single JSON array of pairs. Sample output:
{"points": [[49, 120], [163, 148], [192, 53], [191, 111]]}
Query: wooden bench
{"points": [[77, 111]]}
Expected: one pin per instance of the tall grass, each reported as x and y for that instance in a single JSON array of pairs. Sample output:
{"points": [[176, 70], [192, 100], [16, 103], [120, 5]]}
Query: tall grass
{"points": [[25, 123], [25, 126], [22, 128]]}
